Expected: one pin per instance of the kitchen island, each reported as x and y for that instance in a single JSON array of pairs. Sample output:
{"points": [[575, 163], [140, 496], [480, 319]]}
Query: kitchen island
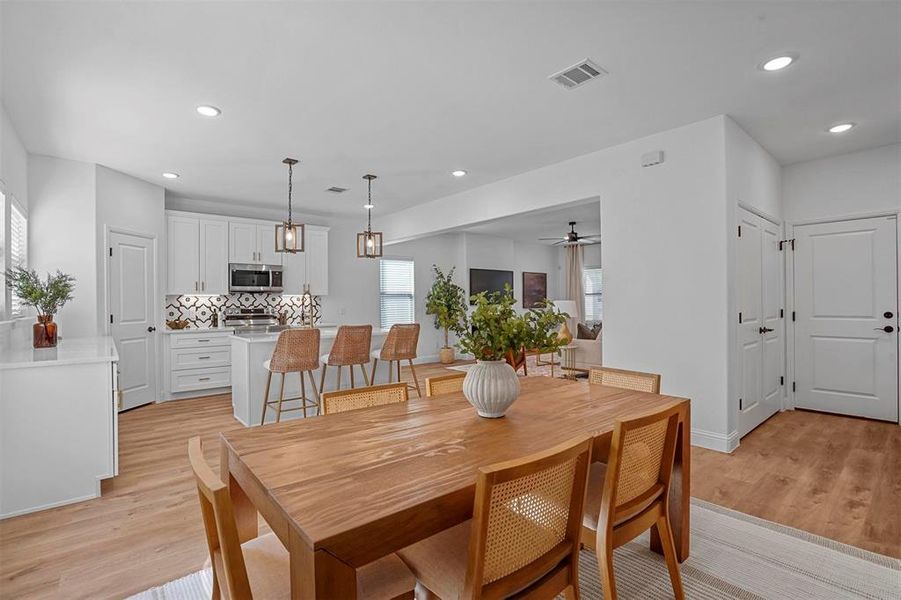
{"points": [[58, 423], [248, 376]]}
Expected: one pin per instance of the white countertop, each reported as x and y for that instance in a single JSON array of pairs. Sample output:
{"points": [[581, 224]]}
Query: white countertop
{"points": [[325, 333], [199, 330], [69, 351]]}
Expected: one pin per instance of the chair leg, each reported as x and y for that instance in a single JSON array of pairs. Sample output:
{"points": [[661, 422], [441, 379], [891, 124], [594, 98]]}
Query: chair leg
{"points": [[375, 363], [266, 398], [571, 593], [281, 398], [315, 392], [216, 595], [365, 375], [605, 566], [415, 379], [390, 371], [669, 554], [351, 369], [398, 371], [303, 395], [338, 378], [322, 379]]}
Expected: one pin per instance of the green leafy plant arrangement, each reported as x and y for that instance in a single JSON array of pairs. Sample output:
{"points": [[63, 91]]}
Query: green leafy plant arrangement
{"points": [[46, 296], [447, 302], [497, 332]]}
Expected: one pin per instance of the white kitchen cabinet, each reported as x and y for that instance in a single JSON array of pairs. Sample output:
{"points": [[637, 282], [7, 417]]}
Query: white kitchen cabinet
{"points": [[213, 257], [310, 266], [196, 361], [183, 250], [197, 255], [252, 243]]}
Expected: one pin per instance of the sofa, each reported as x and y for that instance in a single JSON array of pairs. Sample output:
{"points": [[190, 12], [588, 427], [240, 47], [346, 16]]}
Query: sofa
{"points": [[588, 353]]}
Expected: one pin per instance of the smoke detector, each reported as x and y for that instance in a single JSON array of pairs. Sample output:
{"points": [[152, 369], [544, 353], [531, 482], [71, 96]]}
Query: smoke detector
{"points": [[580, 73], [336, 190]]}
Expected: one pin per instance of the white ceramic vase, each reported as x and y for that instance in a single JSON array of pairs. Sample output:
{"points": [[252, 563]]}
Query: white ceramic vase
{"points": [[491, 386]]}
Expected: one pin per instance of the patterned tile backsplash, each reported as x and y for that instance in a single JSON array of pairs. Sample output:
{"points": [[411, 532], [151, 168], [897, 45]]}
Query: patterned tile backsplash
{"points": [[202, 307]]}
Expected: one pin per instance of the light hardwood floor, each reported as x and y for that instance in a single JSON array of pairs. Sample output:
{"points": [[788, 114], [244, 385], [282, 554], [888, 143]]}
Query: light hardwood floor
{"points": [[834, 476]]}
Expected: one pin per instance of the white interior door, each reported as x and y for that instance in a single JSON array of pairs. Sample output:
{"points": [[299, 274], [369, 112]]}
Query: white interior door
{"points": [[760, 330], [846, 303], [132, 266]]}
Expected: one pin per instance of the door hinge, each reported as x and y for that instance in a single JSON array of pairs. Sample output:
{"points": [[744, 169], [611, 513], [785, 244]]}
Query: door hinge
{"points": [[111, 318], [739, 231], [739, 404], [739, 316], [781, 313], [783, 243], [793, 315], [794, 386], [110, 251], [782, 380]]}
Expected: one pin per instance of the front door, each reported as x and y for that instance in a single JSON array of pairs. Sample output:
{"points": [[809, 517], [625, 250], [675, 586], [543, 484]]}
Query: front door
{"points": [[760, 330], [846, 334], [133, 316]]}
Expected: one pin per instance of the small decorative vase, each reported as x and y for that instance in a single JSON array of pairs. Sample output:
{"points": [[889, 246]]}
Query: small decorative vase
{"points": [[491, 386], [43, 333], [446, 356]]}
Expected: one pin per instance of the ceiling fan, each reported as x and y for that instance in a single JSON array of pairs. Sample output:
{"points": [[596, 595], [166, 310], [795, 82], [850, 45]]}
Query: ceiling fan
{"points": [[572, 238]]}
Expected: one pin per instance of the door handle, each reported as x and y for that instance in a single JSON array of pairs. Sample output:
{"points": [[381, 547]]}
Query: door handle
{"points": [[887, 329], [888, 314], [763, 330], [151, 329]]}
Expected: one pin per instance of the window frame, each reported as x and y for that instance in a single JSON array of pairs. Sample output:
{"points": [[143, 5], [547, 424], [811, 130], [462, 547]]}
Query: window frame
{"points": [[412, 295], [587, 295]]}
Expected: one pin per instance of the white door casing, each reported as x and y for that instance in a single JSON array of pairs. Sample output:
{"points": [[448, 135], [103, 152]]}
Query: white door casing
{"points": [[845, 285], [760, 330], [131, 274]]}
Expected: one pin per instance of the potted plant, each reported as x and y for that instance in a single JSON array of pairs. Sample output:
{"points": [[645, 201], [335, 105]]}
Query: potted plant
{"points": [[447, 302], [46, 296]]}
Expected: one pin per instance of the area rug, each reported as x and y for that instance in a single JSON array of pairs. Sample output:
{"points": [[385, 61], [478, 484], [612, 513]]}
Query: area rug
{"points": [[733, 555]]}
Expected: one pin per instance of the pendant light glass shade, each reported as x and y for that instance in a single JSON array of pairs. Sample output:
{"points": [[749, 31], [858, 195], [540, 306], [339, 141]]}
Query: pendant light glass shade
{"points": [[289, 236], [369, 242]]}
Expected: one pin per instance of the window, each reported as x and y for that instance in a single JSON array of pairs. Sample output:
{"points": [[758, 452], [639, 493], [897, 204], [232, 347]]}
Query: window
{"points": [[18, 252], [594, 303], [396, 291]]}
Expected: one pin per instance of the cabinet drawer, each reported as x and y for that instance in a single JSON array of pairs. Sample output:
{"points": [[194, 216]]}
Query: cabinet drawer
{"points": [[192, 358], [199, 340], [200, 379]]}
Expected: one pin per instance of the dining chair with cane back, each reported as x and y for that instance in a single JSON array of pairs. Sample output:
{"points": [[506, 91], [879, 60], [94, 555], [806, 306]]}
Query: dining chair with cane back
{"points": [[296, 351], [444, 384], [630, 494], [363, 397], [260, 567], [523, 538], [400, 345], [628, 380], [350, 349]]}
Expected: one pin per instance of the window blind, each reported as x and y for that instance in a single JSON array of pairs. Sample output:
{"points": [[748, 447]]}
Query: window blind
{"points": [[594, 304], [396, 303], [18, 252]]}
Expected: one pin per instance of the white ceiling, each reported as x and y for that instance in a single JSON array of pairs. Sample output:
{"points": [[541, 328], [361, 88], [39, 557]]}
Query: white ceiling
{"points": [[411, 91], [530, 227]]}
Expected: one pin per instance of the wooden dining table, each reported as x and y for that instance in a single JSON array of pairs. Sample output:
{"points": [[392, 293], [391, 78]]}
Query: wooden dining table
{"points": [[341, 491]]}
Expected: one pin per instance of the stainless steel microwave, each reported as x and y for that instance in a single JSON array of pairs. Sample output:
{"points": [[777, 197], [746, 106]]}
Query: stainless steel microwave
{"points": [[254, 278]]}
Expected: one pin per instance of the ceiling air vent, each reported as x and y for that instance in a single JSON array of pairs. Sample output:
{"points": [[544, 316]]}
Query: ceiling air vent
{"points": [[581, 72], [336, 190]]}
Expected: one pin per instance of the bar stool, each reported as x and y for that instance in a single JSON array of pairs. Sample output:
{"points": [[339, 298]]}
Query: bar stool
{"points": [[351, 348], [296, 351], [400, 345]]}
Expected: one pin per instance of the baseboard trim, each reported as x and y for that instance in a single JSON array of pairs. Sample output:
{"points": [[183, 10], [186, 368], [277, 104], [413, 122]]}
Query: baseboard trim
{"points": [[34, 509], [714, 441]]}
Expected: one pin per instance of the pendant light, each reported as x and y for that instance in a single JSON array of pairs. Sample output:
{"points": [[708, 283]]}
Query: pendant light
{"points": [[369, 243], [289, 235]]}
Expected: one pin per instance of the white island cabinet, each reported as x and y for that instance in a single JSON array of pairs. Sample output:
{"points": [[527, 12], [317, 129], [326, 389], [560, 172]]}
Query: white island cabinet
{"points": [[58, 423], [251, 350]]}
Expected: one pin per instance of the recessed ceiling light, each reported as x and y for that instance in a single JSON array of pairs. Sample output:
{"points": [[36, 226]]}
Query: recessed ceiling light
{"points": [[458, 173], [168, 175], [777, 63], [208, 111], [841, 128]]}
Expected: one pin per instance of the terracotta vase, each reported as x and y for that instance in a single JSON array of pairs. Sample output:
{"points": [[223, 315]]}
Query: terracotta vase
{"points": [[43, 333]]}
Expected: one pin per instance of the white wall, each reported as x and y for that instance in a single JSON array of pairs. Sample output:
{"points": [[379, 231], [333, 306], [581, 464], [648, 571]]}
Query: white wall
{"points": [[846, 185], [664, 232], [62, 234], [128, 204]]}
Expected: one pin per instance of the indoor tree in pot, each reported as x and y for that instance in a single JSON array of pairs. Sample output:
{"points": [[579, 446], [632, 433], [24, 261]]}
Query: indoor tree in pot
{"points": [[447, 301], [46, 296]]}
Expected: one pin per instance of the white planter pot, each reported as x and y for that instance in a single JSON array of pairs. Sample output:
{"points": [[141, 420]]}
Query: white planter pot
{"points": [[491, 386]]}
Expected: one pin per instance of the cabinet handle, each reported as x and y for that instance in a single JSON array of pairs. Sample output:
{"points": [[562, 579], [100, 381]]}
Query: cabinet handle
{"points": [[204, 379], [195, 286], [202, 357], [203, 341], [202, 285]]}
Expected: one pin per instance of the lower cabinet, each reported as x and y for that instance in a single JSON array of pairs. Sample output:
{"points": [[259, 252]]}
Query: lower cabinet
{"points": [[197, 363]]}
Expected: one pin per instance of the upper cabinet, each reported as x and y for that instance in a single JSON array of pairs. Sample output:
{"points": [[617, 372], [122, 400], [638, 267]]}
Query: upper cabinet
{"points": [[310, 266], [252, 243], [197, 255]]}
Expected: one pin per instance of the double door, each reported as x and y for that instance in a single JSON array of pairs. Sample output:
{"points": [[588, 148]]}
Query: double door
{"points": [[252, 243], [761, 320]]}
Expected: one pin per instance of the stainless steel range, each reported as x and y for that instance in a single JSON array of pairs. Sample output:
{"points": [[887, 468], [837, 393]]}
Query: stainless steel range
{"points": [[246, 320]]}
